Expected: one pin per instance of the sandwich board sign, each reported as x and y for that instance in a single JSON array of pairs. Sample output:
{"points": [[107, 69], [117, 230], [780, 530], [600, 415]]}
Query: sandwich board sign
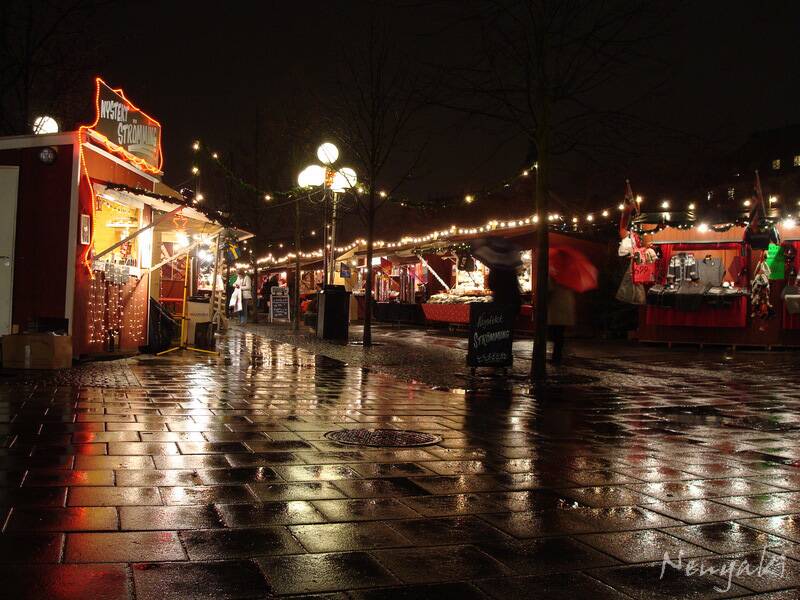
{"points": [[279, 303]]}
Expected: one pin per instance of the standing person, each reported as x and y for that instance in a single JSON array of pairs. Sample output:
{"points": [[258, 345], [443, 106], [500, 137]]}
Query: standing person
{"points": [[246, 285], [560, 315], [235, 303], [264, 293], [233, 277], [504, 285]]}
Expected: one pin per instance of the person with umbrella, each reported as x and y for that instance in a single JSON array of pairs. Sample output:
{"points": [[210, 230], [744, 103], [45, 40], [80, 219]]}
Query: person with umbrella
{"points": [[504, 260], [570, 272]]}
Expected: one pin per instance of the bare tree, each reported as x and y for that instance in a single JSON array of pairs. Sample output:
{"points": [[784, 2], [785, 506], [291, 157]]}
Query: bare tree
{"points": [[44, 60], [378, 100], [557, 71]]}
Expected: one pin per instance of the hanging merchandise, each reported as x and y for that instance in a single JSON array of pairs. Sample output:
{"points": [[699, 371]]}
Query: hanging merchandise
{"points": [[644, 266], [630, 292], [790, 260], [759, 293], [760, 232], [776, 261]]}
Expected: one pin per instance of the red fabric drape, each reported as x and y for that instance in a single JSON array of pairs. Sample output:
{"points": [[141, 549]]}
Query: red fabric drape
{"points": [[734, 315]]}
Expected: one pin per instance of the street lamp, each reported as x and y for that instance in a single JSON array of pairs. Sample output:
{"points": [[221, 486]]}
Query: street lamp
{"points": [[333, 180]]}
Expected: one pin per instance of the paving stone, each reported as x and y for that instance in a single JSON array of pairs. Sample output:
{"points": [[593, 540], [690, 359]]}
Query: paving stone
{"points": [[230, 580], [646, 582], [269, 513], [698, 511], [727, 537], [31, 548], [373, 509], [644, 545], [389, 487], [444, 563], [317, 473], [216, 544], [340, 537], [312, 490], [462, 591], [123, 547], [449, 530], [69, 478], [777, 503], [63, 519], [65, 582], [33, 496], [310, 573], [113, 496], [544, 555], [552, 587], [787, 526], [222, 494], [168, 517]]}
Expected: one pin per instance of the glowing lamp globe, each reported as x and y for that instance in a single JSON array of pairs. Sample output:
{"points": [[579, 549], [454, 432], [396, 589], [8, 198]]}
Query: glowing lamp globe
{"points": [[344, 179], [327, 153], [311, 176], [44, 124]]}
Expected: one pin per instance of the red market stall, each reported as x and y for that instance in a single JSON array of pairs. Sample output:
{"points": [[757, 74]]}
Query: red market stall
{"points": [[92, 225], [722, 266], [434, 280]]}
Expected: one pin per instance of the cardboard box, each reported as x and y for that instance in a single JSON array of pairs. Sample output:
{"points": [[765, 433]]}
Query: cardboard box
{"points": [[37, 351]]}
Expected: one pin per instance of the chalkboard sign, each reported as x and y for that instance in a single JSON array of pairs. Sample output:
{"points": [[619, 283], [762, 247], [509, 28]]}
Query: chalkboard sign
{"points": [[490, 335], [279, 303]]}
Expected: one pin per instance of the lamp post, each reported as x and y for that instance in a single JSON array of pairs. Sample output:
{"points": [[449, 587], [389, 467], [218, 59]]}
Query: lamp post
{"points": [[331, 180]]}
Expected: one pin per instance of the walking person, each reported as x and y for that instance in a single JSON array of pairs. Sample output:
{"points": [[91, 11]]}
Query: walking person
{"points": [[235, 303], [246, 286], [560, 315]]}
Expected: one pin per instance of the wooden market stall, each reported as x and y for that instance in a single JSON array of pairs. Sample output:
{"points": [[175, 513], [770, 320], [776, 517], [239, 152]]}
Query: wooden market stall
{"points": [[725, 267], [92, 224]]}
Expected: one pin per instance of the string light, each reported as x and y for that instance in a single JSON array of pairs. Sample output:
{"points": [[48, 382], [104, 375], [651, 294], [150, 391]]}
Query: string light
{"points": [[469, 198], [195, 170]]}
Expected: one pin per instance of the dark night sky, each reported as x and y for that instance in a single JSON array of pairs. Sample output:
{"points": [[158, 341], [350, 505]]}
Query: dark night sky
{"points": [[202, 68]]}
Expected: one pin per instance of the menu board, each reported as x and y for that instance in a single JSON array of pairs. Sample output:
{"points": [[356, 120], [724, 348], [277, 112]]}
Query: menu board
{"points": [[279, 303], [491, 329]]}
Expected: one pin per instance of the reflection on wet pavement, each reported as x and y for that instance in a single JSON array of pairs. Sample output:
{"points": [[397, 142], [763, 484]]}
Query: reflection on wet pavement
{"points": [[209, 477]]}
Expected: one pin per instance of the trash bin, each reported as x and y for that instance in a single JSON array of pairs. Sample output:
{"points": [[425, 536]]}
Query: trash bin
{"points": [[333, 315], [204, 336]]}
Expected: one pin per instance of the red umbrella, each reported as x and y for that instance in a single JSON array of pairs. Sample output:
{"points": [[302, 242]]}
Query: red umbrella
{"points": [[570, 267]]}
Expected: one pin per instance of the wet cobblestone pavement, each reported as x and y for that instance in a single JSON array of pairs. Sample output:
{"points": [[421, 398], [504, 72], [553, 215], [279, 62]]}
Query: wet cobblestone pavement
{"points": [[196, 477]]}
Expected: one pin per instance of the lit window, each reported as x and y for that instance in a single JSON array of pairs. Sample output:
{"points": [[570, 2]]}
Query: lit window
{"points": [[796, 160], [776, 164], [731, 193]]}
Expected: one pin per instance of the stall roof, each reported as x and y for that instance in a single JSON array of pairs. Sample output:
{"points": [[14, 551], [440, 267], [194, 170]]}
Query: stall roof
{"points": [[166, 199]]}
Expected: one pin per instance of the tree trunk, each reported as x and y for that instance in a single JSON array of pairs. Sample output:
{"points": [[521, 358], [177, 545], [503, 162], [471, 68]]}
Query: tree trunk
{"points": [[539, 364], [296, 290], [370, 273]]}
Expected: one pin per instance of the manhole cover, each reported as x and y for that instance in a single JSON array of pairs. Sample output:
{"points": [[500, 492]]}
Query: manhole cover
{"points": [[382, 437]]}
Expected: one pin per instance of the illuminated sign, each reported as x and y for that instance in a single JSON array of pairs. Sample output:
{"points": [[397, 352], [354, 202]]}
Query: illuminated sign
{"points": [[126, 130]]}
